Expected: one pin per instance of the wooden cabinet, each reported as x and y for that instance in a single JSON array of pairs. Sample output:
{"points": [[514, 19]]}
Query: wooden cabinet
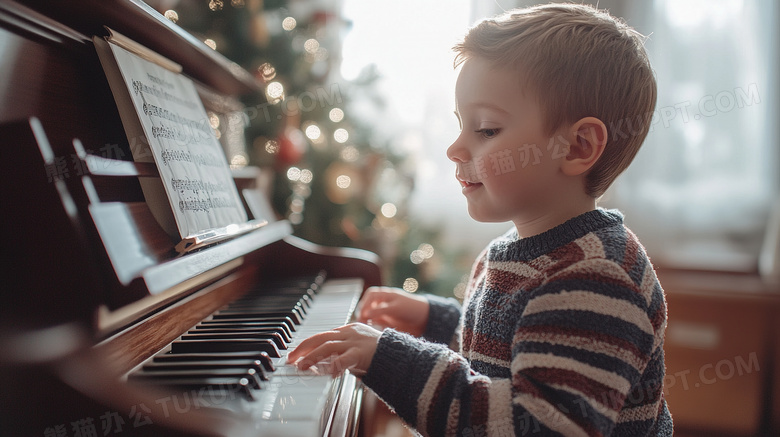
{"points": [[721, 351]]}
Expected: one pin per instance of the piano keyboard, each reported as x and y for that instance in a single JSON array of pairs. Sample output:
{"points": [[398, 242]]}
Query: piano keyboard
{"points": [[235, 359]]}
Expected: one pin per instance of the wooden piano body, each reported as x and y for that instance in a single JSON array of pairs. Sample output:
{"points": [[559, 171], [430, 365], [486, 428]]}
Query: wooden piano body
{"points": [[93, 286]]}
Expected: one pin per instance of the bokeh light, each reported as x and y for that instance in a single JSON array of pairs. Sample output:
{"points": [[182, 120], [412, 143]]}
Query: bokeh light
{"points": [[350, 154], [336, 115], [238, 161], [311, 46], [460, 290], [313, 132], [341, 135], [272, 147], [296, 205], [293, 173], [213, 120], [426, 249], [306, 176], [289, 23], [172, 15], [274, 91], [295, 218], [343, 181], [389, 210], [267, 71]]}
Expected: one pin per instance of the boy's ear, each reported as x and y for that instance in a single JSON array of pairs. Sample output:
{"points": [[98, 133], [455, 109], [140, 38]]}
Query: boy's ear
{"points": [[587, 138]]}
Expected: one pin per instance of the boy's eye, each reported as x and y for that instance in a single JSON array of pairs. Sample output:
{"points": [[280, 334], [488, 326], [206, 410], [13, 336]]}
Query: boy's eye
{"points": [[488, 132]]}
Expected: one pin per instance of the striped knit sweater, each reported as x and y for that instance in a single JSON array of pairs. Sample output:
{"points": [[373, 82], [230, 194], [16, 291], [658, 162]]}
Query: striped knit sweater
{"points": [[560, 334]]}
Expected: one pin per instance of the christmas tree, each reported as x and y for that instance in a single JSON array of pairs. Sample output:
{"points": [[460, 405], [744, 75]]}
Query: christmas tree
{"points": [[335, 181]]}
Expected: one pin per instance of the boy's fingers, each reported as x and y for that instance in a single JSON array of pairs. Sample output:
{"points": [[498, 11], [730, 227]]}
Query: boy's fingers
{"points": [[353, 360], [381, 306], [323, 346], [389, 313], [368, 312], [386, 320], [364, 305], [336, 365], [310, 343], [374, 295], [371, 308], [307, 359], [325, 349]]}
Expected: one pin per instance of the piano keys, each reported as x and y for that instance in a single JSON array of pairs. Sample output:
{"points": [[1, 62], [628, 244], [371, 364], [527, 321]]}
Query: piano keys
{"points": [[102, 321], [235, 357]]}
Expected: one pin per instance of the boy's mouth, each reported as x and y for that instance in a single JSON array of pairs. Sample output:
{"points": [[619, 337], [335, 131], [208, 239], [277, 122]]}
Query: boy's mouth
{"points": [[465, 184]]}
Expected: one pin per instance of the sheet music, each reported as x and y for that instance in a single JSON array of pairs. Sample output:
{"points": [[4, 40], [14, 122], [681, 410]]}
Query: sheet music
{"points": [[194, 171]]}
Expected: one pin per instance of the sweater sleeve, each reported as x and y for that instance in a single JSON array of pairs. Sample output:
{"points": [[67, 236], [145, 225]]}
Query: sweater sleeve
{"points": [[578, 351], [443, 319]]}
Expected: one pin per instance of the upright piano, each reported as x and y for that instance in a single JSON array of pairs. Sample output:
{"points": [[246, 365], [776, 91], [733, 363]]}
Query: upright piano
{"points": [[105, 329]]}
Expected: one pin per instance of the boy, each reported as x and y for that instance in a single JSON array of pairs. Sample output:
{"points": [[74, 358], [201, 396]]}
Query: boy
{"points": [[562, 325]]}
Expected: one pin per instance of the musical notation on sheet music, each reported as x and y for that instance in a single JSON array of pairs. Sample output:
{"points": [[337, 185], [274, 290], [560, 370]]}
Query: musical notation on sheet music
{"points": [[199, 190]]}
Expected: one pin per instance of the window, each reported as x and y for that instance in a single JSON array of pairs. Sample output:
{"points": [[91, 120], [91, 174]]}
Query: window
{"points": [[700, 191]]}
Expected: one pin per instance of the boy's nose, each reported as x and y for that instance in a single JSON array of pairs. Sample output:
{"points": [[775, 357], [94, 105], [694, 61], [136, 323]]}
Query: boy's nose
{"points": [[456, 152]]}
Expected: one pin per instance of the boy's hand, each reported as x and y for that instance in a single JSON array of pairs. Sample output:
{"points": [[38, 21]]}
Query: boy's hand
{"points": [[394, 308], [347, 347]]}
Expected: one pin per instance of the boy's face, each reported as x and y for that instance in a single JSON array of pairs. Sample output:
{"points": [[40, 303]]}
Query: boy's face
{"points": [[507, 164]]}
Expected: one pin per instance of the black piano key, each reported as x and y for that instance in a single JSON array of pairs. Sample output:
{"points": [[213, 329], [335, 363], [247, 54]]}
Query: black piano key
{"points": [[307, 298], [276, 338], [259, 315], [264, 301], [315, 282], [242, 331], [168, 357], [222, 387], [255, 365], [269, 306], [293, 314], [277, 296], [284, 290], [245, 324], [227, 318], [267, 311], [307, 301], [237, 374], [257, 299], [235, 345]]}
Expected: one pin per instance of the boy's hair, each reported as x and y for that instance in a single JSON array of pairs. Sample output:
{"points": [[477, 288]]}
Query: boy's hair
{"points": [[582, 62]]}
